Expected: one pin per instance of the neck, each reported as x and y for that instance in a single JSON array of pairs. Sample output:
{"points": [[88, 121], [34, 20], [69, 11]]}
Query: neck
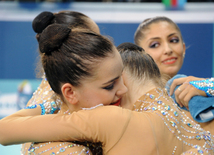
{"points": [[135, 92]]}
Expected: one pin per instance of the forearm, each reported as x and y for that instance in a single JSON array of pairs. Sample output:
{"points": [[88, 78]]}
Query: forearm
{"points": [[20, 128], [10, 124], [90, 125]]}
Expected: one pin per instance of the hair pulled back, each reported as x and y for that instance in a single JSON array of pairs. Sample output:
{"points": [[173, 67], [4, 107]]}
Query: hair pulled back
{"points": [[139, 64], [139, 34], [70, 18], [68, 56]]}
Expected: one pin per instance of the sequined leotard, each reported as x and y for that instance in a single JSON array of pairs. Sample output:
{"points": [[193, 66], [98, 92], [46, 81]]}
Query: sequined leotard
{"points": [[157, 126]]}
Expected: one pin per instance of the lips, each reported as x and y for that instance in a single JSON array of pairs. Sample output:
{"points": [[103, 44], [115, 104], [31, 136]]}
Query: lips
{"points": [[168, 61], [117, 103]]}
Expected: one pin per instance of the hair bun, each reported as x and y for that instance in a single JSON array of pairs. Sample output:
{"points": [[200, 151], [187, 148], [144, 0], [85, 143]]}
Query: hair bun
{"points": [[52, 37], [41, 21]]}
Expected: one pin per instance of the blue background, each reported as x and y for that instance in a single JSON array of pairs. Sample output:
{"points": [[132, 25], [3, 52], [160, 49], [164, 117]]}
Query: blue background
{"points": [[18, 46], [19, 55]]}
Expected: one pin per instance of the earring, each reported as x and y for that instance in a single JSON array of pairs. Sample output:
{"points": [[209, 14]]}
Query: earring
{"points": [[184, 55]]}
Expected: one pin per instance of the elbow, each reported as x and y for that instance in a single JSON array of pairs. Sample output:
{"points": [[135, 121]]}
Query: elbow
{"points": [[6, 136], [4, 143], [3, 140]]}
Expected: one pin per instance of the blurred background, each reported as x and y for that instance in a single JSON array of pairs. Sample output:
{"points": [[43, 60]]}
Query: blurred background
{"points": [[117, 19]]}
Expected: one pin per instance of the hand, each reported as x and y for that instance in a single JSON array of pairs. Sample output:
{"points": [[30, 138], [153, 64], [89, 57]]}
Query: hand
{"points": [[185, 91]]}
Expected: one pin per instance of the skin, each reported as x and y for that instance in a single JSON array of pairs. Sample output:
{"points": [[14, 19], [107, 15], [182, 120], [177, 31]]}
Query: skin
{"points": [[164, 43], [136, 88], [105, 87]]}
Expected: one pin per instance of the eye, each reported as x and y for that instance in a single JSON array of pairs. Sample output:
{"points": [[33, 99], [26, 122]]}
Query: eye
{"points": [[109, 87], [174, 40], [154, 45]]}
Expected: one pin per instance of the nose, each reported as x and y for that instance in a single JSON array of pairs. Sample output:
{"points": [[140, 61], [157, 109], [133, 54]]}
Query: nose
{"points": [[122, 90], [168, 49]]}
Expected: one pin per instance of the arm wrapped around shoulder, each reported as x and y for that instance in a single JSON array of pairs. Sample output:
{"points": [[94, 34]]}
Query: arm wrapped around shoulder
{"points": [[96, 125]]}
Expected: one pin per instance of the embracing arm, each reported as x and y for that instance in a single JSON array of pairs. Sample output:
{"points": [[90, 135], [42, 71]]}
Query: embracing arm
{"points": [[13, 125], [92, 125]]}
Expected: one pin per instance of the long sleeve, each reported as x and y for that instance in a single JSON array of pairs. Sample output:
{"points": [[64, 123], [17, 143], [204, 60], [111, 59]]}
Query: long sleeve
{"points": [[92, 125], [206, 85]]}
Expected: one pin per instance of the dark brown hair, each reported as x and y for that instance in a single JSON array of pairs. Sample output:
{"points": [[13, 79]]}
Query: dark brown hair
{"points": [[72, 19], [68, 56]]}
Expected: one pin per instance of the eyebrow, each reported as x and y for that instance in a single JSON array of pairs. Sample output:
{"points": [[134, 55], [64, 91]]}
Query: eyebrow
{"points": [[171, 35], [111, 81], [159, 37]]}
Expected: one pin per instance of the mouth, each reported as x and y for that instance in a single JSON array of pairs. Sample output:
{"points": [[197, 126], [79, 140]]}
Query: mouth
{"points": [[169, 61], [117, 103]]}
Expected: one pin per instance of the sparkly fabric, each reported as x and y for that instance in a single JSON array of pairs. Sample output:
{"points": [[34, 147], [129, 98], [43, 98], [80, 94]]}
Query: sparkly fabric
{"points": [[55, 148], [157, 126], [205, 85], [178, 123], [46, 96], [35, 105], [184, 134]]}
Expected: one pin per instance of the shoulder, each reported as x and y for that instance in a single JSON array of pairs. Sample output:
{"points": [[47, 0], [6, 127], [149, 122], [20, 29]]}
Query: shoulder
{"points": [[107, 113]]}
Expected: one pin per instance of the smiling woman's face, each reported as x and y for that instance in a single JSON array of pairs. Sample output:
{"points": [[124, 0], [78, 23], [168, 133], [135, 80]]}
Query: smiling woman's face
{"points": [[164, 43]]}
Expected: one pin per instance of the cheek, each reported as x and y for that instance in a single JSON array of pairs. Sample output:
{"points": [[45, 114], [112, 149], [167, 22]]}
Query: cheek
{"points": [[106, 96], [179, 50]]}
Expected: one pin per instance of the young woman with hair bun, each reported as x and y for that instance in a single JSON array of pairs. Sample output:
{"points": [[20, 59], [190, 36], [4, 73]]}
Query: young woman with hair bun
{"points": [[44, 94]]}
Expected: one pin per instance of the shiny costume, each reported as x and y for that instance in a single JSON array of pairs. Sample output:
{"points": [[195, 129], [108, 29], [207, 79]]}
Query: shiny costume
{"points": [[199, 105], [157, 126], [205, 85]]}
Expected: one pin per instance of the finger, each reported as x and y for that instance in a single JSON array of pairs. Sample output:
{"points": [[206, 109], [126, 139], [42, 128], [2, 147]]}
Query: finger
{"points": [[177, 98], [181, 97], [175, 83], [184, 97], [187, 99], [191, 92]]}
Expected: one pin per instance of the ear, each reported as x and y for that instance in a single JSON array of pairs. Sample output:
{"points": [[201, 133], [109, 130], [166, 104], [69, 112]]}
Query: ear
{"points": [[69, 93], [184, 48]]}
